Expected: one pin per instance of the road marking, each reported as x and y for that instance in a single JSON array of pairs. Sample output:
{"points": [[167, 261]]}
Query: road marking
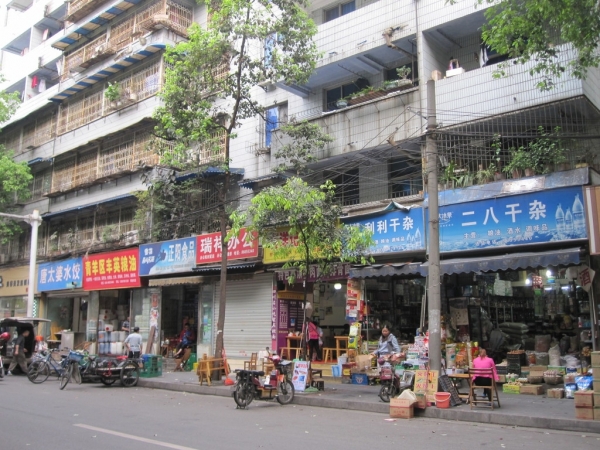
{"points": [[135, 438]]}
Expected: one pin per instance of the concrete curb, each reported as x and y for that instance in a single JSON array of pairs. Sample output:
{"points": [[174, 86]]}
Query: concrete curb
{"points": [[495, 417]]}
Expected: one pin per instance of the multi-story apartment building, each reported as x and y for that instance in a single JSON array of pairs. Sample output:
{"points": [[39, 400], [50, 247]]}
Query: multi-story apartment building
{"points": [[87, 153]]}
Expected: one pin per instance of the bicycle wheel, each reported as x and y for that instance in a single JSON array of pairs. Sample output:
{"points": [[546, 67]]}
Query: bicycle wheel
{"points": [[38, 372], [76, 373], [243, 394], [66, 376], [130, 374], [285, 392]]}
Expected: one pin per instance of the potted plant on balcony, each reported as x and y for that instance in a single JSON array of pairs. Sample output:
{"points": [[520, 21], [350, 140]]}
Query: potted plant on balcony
{"points": [[520, 161], [341, 103], [485, 174], [368, 93], [112, 93]]}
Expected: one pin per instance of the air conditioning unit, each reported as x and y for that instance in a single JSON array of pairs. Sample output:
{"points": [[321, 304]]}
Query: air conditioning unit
{"points": [[100, 49], [262, 150]]}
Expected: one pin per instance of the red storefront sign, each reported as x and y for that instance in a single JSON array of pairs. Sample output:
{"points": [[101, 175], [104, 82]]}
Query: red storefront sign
{"points": [[113, 270], [208, 247]]}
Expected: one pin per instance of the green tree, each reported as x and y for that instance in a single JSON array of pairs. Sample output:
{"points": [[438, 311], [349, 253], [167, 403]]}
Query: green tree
{"points": [[531, 30], [15, 176], [312, 215], [207, 93]]}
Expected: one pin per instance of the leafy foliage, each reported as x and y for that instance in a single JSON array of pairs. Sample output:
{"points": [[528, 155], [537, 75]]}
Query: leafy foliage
{"points": [[531, 30]]}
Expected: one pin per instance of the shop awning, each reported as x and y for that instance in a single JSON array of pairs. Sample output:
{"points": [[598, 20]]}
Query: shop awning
{"points": [[176, 281], [512, 261], [386, 270], [216, 269]]}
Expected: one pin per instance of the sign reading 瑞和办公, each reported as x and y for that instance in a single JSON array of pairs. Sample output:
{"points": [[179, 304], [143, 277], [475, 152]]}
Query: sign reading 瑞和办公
{"points": [[208, 248], [166, 257], [536, 217], [394, 231], [57, 275], [112, 270]]}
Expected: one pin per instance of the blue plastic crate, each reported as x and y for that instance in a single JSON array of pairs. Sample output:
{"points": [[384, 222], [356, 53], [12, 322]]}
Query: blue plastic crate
{"points": [[360, 378]]}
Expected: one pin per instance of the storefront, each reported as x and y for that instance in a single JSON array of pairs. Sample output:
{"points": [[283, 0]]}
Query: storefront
{"points": [[64, 302], [14, 285], [117, 301]]}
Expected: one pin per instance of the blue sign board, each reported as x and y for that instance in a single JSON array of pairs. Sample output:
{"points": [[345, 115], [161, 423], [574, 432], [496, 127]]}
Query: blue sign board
{"points": [[537, 217], [58, 275], [394, 231], [167, 257]]}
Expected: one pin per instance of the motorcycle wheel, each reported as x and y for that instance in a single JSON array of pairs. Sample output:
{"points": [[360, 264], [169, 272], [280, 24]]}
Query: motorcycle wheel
{"points": [[285, 392], [66, 376], [107, 381], [130, 374], [38, 372], [243, 395], [386, 391]]}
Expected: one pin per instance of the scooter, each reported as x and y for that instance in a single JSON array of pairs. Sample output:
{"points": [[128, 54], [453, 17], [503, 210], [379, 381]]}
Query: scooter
{"points": [[4, 337], [391, 383], [252, 384]]}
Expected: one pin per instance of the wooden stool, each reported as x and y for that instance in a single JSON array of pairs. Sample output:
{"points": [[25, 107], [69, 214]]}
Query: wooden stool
{"points": [[327, 351]]}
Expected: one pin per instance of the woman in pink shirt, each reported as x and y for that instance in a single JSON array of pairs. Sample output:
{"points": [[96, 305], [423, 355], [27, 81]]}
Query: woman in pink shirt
{"points": [[483, 362]]}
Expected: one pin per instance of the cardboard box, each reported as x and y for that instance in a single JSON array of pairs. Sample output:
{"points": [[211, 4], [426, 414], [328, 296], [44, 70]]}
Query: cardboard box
{"points": [[584, 413], [401, 402], [536, 373], [511, 389], [532, 389], [421, 400], [363, 362], [555, 393], [596, 413], [560, 369], [501, 378], [596, 360], [538, 369], [584, 399], [596, 388], [398, 412], [596, 400]]}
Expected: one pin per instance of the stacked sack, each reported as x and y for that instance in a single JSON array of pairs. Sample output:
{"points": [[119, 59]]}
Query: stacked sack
{"points": [[517, 332]]}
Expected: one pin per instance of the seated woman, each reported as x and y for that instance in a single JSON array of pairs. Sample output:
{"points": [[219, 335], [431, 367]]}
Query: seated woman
{"points": [[187, 339], [387, 346]]}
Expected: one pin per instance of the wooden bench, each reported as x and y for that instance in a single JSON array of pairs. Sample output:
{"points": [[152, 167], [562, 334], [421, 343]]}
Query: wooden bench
{"points": [[206, 367]]}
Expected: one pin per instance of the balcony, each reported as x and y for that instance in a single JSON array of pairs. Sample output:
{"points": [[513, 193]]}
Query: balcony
{"points": [[39, 132], [126, 152], [78, 9], [85, 56]]}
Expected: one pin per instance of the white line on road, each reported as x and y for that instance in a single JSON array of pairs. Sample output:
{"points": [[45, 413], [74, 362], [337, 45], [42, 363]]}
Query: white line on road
{"points": [[135, 438]]}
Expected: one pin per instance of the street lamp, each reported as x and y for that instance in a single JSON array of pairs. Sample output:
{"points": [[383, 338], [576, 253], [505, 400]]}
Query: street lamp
{"points": [[34, 219]]}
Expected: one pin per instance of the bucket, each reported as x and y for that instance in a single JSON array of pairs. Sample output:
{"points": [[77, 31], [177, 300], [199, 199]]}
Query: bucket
{"points": [[442, 400], [336, 371]]}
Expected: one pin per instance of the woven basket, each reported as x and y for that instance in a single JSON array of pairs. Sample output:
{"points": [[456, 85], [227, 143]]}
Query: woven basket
{"points": [[535, 380], [556, 379]]}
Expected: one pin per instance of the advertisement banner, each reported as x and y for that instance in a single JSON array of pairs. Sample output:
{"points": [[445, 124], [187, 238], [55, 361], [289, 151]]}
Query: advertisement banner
{"points": [[286, 238], [394, 231], [167, 257], [300, 377], [538, 217], [112, 270], [209, 247], [336, 271], [58, 275]]}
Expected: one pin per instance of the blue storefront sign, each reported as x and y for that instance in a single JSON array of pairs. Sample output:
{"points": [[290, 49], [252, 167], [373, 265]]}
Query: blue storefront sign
{"points": [[58, 275], [167, 257], [394, 231], [538, 217]]}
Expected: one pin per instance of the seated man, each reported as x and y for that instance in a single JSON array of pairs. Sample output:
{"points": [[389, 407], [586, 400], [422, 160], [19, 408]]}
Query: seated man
{"points": [[187, 339]]}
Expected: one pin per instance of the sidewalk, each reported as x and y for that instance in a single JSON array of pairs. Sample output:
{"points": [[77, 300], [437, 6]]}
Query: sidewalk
{"points": [[517, 410]]}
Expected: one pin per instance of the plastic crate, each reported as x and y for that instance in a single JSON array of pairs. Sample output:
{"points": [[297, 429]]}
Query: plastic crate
{"points": [[360, 378], [520, 359]]}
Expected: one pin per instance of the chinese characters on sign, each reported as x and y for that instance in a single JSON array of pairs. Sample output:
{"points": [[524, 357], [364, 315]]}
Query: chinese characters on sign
{"points": [[394, 231], [337, 271], [111, 270], [545, 216], [209, 247], [288, 240], [168, 257], [58, 275]]}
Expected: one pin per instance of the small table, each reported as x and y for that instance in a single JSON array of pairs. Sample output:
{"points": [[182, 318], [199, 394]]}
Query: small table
{"points": [[338, 348], [296, 340], [456, 377]]}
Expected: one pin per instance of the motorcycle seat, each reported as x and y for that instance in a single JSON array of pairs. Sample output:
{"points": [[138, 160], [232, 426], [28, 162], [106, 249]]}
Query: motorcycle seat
{"points": [[257, 373]]}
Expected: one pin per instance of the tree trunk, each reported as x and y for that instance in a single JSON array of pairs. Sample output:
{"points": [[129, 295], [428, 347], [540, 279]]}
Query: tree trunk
{"points": [[219, 346]]}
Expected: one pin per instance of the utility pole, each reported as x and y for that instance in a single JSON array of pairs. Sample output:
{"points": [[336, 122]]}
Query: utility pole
{"points": [[433, 288], [34, 220]]}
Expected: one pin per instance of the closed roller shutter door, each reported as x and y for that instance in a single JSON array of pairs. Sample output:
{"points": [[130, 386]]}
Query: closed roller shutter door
{"points": [[247, 315]]}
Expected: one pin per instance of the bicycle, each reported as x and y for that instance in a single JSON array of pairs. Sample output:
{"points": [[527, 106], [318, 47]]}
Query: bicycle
{"points": [[72, 369], [41, 368]]}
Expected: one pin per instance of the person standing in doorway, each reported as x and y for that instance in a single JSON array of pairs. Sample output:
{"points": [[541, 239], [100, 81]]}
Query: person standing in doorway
{"points": [[313, 340], [19, 354], [125, 325], [134, 343]]}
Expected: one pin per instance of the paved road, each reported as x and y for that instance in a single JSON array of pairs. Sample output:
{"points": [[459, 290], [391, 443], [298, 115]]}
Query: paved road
{"points": [[91, 416]]}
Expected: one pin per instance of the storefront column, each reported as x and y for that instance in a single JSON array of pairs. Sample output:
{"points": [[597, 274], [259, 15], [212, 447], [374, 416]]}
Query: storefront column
{"points": [[92, 322]]}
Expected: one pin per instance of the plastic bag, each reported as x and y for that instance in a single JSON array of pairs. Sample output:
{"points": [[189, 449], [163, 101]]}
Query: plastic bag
{"points": [[570, 389], [408, 395], [554, 355], [542, 359], [584, 383], [542, 343]]}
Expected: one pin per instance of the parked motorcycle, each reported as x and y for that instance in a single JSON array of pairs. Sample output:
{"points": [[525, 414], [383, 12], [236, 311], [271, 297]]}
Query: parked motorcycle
{"points": [[4, 337], [391, 383], [252, 384]]}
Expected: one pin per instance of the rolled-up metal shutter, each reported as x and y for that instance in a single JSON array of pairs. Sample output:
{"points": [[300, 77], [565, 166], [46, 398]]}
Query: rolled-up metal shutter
{"points": [[247, 315]]}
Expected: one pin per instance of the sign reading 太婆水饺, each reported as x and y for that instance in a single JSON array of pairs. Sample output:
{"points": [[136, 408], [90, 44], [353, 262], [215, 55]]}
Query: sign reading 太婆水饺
{"points": [[58, 275], [394, 231], [537, 217], [209, 247], [112, 270], [174, 256]]}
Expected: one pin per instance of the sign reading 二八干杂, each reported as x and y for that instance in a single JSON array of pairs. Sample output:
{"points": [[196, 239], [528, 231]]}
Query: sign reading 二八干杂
{"points": [[112, 270], [208, 247]]}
